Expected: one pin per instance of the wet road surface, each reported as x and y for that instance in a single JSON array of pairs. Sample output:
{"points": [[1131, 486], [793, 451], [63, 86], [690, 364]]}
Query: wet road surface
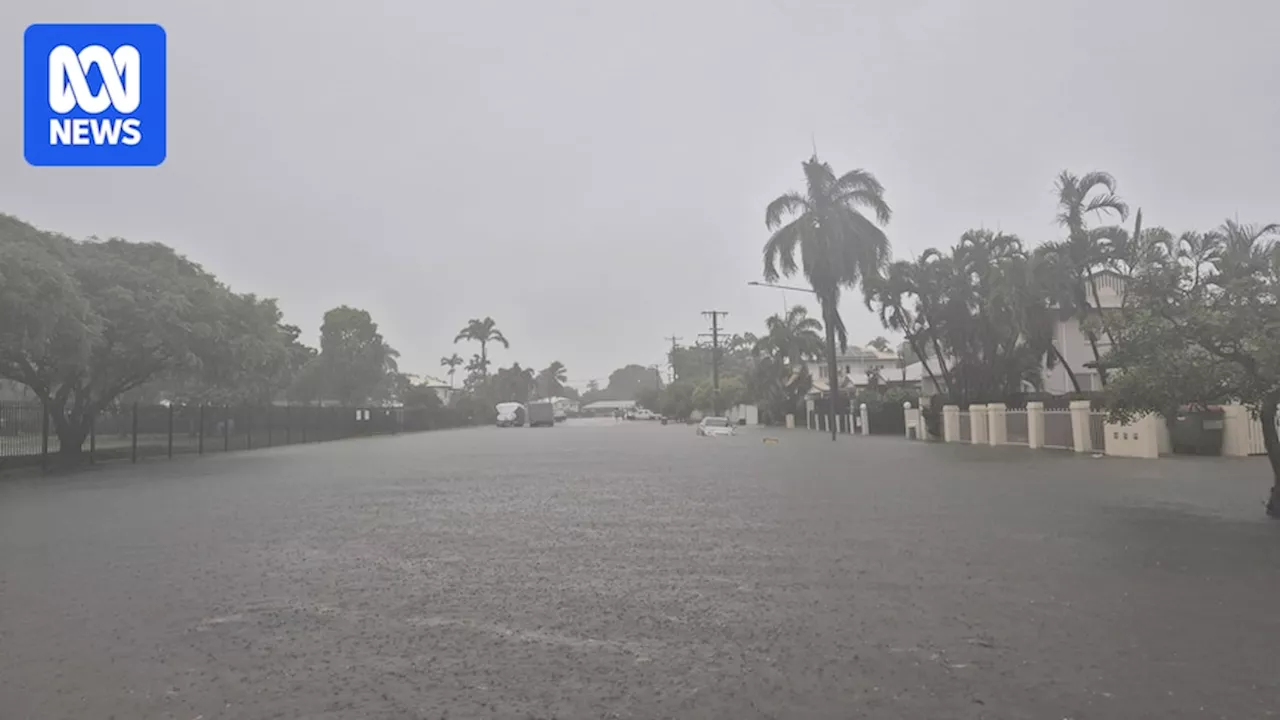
{"points": [[602, 570]]}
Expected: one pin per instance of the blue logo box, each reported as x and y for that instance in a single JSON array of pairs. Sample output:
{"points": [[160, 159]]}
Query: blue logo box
{"points": [[94, 95]]}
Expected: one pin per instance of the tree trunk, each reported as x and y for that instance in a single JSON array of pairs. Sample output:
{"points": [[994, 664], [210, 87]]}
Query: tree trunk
{"points": [[833, 380], [1075, 382], [71, 432], [1097, 357], [1272, 443]]}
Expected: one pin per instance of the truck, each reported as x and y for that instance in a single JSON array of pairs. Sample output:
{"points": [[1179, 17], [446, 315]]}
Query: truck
{"points": [[542, 412]]}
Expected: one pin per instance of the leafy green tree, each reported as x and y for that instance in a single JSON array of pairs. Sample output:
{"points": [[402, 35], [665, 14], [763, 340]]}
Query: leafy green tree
{"points": [[484, 332], [355, 363], [625, 383], [420, 395], [1202, 326], [82, 323], [513, 384], [453, 362], [838, 246]]}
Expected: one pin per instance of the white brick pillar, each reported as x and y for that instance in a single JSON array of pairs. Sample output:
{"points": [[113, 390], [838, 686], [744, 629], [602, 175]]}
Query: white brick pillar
{"points": [[1080, 426], [1035, 425], [862, 416], [978, 424], [996, 428], [1235, 430], [950, 423]]}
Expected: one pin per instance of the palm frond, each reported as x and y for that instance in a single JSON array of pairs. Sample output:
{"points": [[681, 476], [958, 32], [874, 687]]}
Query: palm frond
{"points": [[781, 249], [791, 203]]}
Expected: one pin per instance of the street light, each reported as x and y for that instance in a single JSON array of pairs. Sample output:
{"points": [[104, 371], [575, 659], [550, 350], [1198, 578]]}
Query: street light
{"points": [[781, 287], [784, 289]]}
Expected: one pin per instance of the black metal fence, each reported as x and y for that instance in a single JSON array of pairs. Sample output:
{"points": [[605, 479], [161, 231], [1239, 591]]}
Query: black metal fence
{"points": [[28, 437]]}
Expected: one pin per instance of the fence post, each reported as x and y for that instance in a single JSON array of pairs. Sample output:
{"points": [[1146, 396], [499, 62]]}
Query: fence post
{"points": [[200, 436], [288, 425], [1080, 425], [864, 415], [226, 428], [978, 424], [306, 414], [93, 437], [270, 440], [1235, 435], [170, 431], [997, 428], [44, 436], [248, 428], [951, 423], [1035, 425], [133, 446]]}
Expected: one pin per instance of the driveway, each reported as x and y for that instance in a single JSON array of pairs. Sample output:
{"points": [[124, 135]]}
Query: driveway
{"points": [[632, 570]]}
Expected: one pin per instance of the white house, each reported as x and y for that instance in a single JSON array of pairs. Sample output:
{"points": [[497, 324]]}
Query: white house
{"points": [[853, 366]]}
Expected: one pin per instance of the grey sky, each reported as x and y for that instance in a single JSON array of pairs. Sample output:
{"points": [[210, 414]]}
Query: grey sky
{"points": [[593, 174]]}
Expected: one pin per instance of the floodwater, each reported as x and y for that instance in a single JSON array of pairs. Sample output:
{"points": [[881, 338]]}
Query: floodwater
{"points": [[630, 570]]}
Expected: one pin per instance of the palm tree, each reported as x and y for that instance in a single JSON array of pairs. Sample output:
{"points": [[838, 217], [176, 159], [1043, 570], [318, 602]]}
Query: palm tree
{"points": [[791, 339], [1246, 245], [1085, 250], [839, 246], [903, 279], [453, 362], [483, 332], [552, 378]]}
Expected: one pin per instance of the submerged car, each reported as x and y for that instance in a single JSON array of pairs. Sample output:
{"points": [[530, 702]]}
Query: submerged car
{"points": [[715, 426]]}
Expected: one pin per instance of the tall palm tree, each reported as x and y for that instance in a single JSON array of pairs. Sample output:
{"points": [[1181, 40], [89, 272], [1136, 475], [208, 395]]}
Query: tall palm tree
{"points": [[453, 362], [839, 246], [1086, 249], [483, 332]]}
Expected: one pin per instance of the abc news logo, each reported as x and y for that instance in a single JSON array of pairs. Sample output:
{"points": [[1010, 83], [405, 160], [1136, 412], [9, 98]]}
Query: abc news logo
{"points": [[95, 95], [121, 90]]}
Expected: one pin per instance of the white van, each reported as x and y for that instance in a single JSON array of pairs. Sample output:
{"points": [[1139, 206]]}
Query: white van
{"points": [[510, 414]]}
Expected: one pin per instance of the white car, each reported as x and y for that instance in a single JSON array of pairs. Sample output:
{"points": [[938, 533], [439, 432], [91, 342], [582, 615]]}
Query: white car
{"points": [[715, 427], [645, 414]]}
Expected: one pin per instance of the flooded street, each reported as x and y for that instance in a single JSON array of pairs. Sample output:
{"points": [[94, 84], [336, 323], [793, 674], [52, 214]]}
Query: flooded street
{"points": [[633, 570]]}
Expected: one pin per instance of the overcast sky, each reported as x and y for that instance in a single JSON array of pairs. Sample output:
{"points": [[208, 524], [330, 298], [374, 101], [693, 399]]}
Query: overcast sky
{"points": [[594, 174]]}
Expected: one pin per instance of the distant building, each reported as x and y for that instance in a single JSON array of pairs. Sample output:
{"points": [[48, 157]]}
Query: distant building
{"points": [[853, 366], [608, 407]]}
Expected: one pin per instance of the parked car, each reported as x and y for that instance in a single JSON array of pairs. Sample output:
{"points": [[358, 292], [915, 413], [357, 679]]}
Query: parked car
{"points": [[645, 414], [715, 427]]}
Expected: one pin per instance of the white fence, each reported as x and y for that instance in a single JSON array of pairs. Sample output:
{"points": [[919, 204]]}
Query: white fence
{"points": [[1082, 429]]}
